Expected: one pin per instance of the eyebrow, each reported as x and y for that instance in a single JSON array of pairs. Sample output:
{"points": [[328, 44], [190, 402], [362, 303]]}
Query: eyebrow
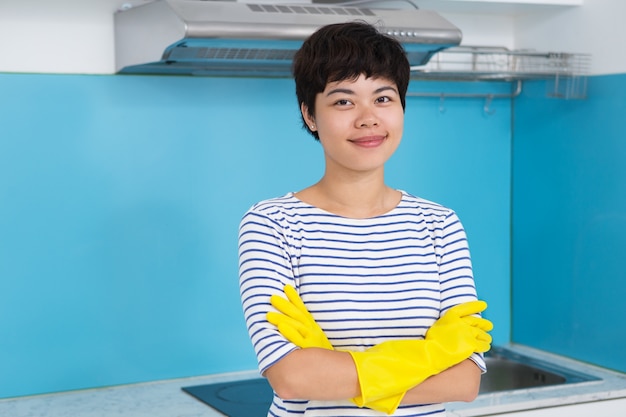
{"points": [[351, 92]]}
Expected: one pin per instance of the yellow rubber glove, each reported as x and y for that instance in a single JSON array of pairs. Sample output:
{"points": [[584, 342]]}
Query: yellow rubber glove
{"points": [[299, 327], [295, 322], [459, 317], [386, 371]]}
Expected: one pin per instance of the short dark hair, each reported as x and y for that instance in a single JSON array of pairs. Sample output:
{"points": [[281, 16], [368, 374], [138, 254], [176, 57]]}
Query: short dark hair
{"points": [[344, 51]]}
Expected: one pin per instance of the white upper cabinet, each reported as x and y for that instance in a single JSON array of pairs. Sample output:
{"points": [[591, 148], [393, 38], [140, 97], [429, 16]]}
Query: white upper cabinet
{"points": [[511, 7]]}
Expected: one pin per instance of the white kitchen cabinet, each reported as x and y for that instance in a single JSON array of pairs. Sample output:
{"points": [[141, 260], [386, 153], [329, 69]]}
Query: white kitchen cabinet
{"points": [[498, 7], [518, 2], [548, 2]]}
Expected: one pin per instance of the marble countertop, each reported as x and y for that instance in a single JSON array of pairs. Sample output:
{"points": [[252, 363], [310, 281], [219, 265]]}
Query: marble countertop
{"points": [[150, 399], [166, 399]]}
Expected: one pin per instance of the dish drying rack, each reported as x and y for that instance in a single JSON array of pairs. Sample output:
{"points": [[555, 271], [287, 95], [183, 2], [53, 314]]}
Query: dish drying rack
{"points": [[566, 72]]}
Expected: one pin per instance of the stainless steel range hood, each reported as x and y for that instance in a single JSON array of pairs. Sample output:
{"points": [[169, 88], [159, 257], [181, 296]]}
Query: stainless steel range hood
{"points": [[199, 37]]}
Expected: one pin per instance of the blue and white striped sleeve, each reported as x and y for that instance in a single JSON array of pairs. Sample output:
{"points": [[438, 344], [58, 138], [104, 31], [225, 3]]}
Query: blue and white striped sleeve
{"points": [[264, 269], [457, 278]]}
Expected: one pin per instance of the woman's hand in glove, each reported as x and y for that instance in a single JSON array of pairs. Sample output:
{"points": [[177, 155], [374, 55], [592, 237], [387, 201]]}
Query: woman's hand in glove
{"points": [[295, 322]]}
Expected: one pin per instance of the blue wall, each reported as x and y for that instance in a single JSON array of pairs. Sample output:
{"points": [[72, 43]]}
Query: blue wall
{"points": [[120, 198], [569, 222]]}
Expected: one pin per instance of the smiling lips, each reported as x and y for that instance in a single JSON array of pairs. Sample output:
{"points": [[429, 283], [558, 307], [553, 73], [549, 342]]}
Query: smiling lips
{"points": [[368, 141]]}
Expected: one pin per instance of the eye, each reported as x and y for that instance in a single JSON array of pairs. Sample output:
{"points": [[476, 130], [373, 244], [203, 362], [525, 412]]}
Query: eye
{"points": [[343, 102], [383, 99]]}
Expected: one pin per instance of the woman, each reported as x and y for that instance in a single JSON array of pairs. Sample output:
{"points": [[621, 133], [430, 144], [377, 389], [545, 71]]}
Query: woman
{"points": [[375, 266]]}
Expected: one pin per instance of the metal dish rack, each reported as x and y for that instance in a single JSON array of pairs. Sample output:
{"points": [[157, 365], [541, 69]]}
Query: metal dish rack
{"points": [[567, 72]]}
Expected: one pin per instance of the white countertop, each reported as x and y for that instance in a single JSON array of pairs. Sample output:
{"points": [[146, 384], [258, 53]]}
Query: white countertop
{"points": [[166, 399], [150, 399]]}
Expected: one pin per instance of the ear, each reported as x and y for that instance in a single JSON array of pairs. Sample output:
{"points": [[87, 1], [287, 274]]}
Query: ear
{"points": [[308, 119]]}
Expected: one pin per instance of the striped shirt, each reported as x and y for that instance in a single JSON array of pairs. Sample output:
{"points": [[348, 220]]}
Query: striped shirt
{"points": [[364, 281]]}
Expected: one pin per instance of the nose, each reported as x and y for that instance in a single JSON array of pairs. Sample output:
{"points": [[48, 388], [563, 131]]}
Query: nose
{"points": [[367, 118]]}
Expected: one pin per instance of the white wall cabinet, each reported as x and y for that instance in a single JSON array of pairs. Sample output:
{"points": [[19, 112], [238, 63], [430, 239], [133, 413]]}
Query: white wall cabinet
{"points": [[495, 6], [539, 2]]}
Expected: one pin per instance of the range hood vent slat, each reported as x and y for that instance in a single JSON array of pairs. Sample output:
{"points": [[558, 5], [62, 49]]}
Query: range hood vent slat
{"points": [[285, 8], [184, 53]]}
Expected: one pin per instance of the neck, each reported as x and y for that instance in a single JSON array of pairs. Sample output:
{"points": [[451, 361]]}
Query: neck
{"points": [[356, 197]]}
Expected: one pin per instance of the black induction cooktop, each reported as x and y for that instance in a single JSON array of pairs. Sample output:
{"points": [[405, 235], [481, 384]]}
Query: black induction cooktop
{"points": [[245, 398]]}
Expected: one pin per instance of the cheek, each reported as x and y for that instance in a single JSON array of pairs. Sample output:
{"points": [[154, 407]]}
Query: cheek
{"points": [[333, 125], [398, 123]]}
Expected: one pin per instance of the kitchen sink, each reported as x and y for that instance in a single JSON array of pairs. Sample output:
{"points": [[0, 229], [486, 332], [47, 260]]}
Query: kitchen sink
{"points": [[508, 370]]}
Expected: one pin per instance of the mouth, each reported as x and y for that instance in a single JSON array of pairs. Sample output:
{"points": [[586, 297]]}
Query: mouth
{"points": [[369, 141]]}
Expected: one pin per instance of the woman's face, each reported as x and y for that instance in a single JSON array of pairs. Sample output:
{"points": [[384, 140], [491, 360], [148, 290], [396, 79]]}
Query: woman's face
{"points": [[359, 123]]}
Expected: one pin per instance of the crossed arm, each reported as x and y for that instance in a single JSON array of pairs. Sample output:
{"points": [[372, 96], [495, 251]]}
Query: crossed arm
{"points": [[435, 369], [331, 375]]}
